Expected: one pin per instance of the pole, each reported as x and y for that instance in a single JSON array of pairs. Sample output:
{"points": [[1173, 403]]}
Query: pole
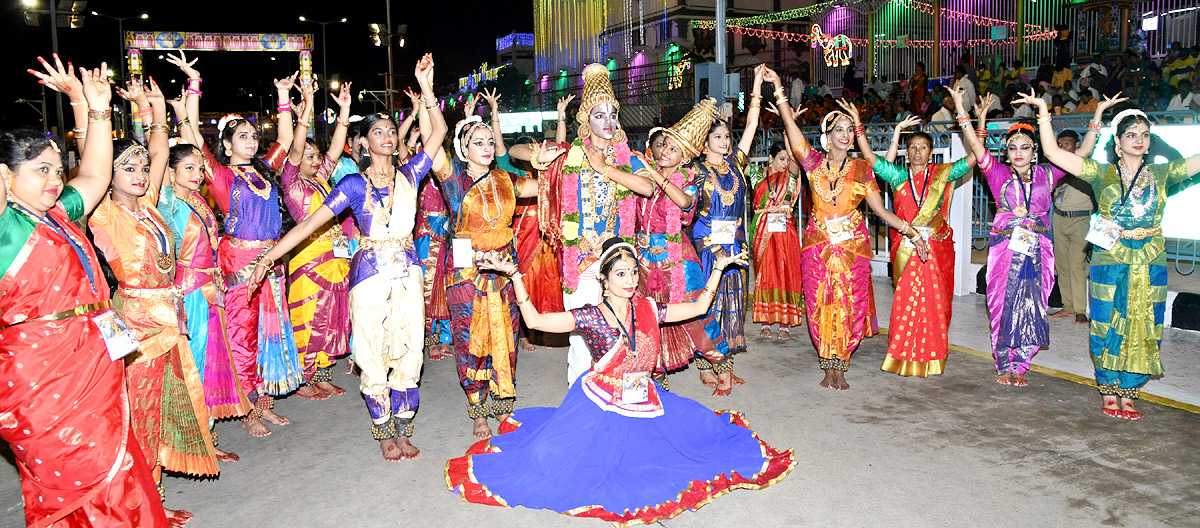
{"points": [[388, 84], [1021, 31], [937, 35], [121, 55], [719, 33], [871, 46], [54, 48], [325, 78]]}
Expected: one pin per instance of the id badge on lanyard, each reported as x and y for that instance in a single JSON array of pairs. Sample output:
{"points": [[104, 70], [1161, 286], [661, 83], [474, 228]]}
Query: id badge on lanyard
{"points": [[462, 252], [341, 247], [838, 229], [776, 222], [1104, 232], [1022, 241], [635, 387], [117, 337], [391, 263], [723, 232]]}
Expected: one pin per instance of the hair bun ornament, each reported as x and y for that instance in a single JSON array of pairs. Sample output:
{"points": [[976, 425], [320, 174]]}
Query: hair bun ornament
{"points": [[470, 122], [225, 121], [354, 119], [1021, 126], [825, 121]]}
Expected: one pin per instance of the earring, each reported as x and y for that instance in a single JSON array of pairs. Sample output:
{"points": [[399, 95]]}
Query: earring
{"points": [[619, 136], [584, 131]]}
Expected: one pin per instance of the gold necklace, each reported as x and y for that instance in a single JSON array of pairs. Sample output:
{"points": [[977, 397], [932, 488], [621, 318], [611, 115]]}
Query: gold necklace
{"points": [[838, 182], [164, 260], [728, 196], [382, 210], [264, 192]]}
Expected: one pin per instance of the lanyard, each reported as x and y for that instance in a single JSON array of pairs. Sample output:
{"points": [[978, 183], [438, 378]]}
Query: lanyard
{"points": [[924, 189], [160, 236], [1125, 193], [833, 184], [379, 197], [50, 222], [780, 188], [632, 324], [1026, 191], [203, 223]]}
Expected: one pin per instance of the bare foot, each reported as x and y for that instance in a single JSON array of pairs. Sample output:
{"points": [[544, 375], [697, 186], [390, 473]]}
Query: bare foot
{"points": [[310, 392], [1128, 411], [502, 417], [1112, 406], [256, 428], [839, 381], [526, 345], [277, 419], [391, 451], [1019, 381], [784, 335], [766, 332], [1081, 319], [829, 379], [226, 457], [724, 384], [436, 352], [177, 518], [482, 430], [708, 378], [407, 450], [1062, 313], [736, 380], [330, 388], [1004, 379]]}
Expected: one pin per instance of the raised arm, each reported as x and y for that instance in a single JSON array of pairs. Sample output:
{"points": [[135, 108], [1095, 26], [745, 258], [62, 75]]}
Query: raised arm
{"points": [[337, 143], [560, 132], [62, 79], [795, 138], [437, 122], [1067, 161], [687, 310], [1093, 134], [974, 143], [189, 121], [95, 166], [864, 146], [894, 147], [283, 91], [492, 97], [755, 109], [300, 134], [157, 134]]}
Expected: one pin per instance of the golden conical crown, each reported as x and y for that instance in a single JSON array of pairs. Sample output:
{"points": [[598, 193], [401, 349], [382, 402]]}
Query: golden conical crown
{"points": [[597, 88], [692, 131]]}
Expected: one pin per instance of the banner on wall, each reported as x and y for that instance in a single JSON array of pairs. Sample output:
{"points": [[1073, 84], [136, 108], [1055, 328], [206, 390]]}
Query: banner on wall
{"points": [[186, 40]]}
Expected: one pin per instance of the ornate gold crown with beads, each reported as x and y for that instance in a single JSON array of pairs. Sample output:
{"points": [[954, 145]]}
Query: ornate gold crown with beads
{"points": [[692, 131], [597, 88]]}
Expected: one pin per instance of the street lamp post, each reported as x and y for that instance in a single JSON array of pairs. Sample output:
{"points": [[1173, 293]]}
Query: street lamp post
{"points": [[121, 53], [324, 66], [53, 12]]}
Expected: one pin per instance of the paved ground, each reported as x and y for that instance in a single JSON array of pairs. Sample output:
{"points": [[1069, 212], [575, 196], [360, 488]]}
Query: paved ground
{"points": [[953, 450]]}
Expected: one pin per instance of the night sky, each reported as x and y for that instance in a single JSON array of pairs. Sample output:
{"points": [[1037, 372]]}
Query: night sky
{"points": [[460, 34]]}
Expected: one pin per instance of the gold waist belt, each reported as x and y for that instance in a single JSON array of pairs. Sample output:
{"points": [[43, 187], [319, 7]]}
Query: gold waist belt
{"points": [[385, 243], [1141, 233], [841, 224], [249, 244], [166, 292], [67, 314]]}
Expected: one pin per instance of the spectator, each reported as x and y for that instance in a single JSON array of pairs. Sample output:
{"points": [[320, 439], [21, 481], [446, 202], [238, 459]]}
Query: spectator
{"points": [[1087, 103], [963, 80], [946, 112], [1185, 98], [1072, 207], [1096, 67], [1058, 107], [823, 90], [1016, 75], [1062, 76], [1155, 98], [968, 70], [916, 99], [1045, 74], [1180, 67], [851, 81], [1154, 81], [880, 85]]}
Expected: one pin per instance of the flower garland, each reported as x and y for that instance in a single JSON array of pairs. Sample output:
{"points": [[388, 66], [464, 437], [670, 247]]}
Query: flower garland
{"points": [[573, 218]]}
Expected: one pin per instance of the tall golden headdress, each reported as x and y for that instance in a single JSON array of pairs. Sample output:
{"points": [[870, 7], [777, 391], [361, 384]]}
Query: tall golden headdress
{"points": [[692, 131], [597, 88]]}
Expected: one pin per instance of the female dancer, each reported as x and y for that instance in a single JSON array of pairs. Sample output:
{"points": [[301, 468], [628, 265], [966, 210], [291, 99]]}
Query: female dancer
{"points": [[836, 254], [587, 197], [618, 448], [194, 227], [483, 315], [79, 461], [318, 294], [778, 295], [718, 231], [1020, 254], [1129, 276], [166, 395], [917, 339], [247, 192], [670, 268], [385, 275]]}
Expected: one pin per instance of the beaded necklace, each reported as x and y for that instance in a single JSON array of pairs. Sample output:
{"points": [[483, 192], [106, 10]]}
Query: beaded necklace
{"points": [[244, 172], [495, 198]]}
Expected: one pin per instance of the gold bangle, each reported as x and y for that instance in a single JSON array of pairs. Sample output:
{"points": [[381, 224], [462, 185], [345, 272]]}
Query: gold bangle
{"points": [[345, 123]]}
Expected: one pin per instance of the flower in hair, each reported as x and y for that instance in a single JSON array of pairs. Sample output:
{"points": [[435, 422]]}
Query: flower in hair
{"points": [[225, 121]]}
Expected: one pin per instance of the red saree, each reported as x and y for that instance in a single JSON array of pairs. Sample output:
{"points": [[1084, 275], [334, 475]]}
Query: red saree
{"points": [[778, 291]]}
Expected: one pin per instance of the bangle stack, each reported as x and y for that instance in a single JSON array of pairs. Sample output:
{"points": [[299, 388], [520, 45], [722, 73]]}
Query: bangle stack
{"points": [[1095, 125], [183, 122], [535, 153], [100, 115], [756, 101], [158, 127], [73, 103], [262, 260], [860, 131], [343, 122], [284, 107], [1043, 118], [963, 119], [427, 103], [981, 133]]}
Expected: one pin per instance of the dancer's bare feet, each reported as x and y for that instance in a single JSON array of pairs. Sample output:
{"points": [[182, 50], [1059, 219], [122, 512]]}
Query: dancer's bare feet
{"points": [[830, 376], [526, 345], [736, 379], [1112, 406], [724, 384], [502, 417], [177, 518], [277, 419], [407, 450], [436, 352], [256, 428], [1081, 319], [1019, 381], [310, 392], [330, 388], [482, 429], [839, 381], [708, 378], [226, 457], [783, 334], [1005, 378], [766, 332], [1062, 313], [391, 450], [1127, 410]]}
